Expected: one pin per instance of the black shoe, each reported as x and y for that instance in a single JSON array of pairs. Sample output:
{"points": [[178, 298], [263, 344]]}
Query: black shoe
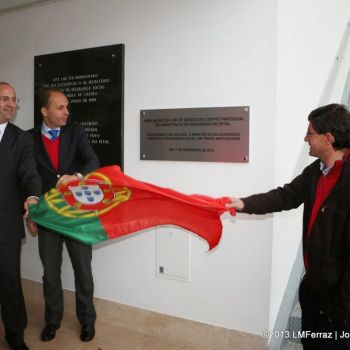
{"points": [[49, 332], [23, 346], [87, 333]]}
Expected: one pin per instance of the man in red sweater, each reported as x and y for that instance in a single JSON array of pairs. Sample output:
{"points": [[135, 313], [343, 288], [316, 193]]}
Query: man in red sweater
{"points": [[63, 153], [324, 189]]}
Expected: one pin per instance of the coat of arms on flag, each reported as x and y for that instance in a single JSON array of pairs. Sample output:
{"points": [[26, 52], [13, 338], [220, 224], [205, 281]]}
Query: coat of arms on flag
{"points": [[87, 194], [91, 196]]}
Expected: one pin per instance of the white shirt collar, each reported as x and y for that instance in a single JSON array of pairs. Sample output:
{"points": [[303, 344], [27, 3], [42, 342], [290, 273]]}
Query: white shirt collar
{"points": [[45, 130], [2, 130], [325, 171]]}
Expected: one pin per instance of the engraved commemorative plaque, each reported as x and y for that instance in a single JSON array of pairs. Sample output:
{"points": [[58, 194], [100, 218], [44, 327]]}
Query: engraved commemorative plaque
{"points": [[215, 134]]}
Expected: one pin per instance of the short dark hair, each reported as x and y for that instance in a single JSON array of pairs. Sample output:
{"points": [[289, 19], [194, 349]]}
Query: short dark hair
{"points": [[335, 119], [44, 96]]}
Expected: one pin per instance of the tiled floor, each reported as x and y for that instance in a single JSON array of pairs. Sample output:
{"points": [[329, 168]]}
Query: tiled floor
{"points": [[108, 337]]}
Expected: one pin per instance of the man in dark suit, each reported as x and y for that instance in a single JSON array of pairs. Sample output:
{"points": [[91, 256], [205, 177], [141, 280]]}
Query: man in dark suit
{"points": [[63, 153], [19, 179]]}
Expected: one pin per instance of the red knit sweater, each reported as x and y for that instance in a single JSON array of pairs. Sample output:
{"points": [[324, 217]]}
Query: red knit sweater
{"points": [[52, 149], [324, 187]]}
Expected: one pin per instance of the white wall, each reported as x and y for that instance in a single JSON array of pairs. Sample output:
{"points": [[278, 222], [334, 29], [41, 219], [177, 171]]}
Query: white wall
{"points": [[177, 54], [194, 53]]}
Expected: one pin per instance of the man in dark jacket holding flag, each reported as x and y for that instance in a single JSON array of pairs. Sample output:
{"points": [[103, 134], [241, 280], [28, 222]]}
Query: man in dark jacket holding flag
{"points": [[324, 189], [63, 153]]}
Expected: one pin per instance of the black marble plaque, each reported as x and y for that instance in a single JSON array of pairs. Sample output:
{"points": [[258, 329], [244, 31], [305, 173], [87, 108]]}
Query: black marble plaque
{"points": [[93, 81]]}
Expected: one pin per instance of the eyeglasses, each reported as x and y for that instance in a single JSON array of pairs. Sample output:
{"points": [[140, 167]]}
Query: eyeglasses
{"points": [[311, 133], [6, 99]]}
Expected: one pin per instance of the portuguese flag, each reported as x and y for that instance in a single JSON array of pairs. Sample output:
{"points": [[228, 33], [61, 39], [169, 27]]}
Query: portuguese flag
{"points": [[107, 204]]}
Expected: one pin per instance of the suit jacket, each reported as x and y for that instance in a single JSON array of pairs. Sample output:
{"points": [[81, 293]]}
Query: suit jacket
{"points": [[19, 179], [75, 155]]}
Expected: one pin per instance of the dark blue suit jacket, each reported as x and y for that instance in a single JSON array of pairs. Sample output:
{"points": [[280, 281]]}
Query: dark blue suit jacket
{"points": [[19, 179], [75, 155]]}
